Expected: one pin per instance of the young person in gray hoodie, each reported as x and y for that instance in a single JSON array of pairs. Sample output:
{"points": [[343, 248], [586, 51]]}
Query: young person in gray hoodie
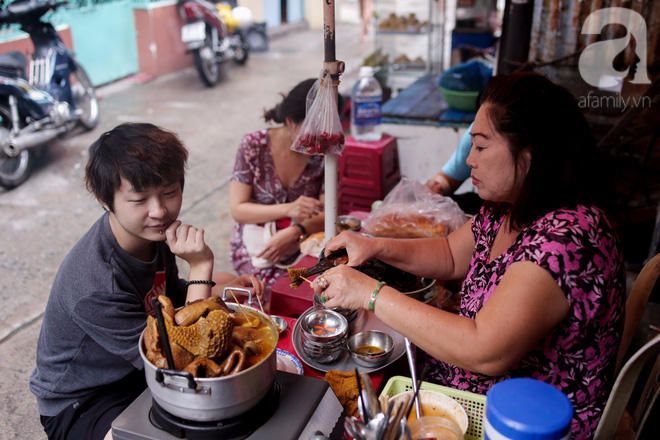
{"points": [[89, 367]]}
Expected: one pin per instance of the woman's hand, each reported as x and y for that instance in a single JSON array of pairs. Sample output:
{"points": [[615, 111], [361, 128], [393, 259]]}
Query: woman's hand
{"points": [[280, 245], [304, 208], [436, 185], [346, 288], [244, 281], [360, 248], [187, 243]]}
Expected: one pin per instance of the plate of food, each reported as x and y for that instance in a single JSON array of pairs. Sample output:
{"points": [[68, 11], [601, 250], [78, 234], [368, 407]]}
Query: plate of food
{"points": [[288, 362]]}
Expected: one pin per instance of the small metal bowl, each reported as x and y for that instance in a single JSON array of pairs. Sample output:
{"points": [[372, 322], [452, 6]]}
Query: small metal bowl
{"points": [[323, 335], [370, 348], [348, 223], [323, 326], [279, 322]]}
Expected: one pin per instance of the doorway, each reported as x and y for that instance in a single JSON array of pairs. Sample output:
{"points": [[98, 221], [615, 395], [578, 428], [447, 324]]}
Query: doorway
{"points": [[283, 4]]}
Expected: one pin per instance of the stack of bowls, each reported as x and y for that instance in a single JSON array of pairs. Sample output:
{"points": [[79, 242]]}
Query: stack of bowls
{"points": [[323, 334], [349, 314]]}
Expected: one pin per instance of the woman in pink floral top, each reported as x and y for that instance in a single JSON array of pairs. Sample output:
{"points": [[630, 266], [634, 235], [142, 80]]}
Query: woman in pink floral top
{"points": [[272, 183], [544, 279]]}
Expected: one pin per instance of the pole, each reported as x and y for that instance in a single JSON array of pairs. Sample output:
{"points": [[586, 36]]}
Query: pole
{"points": [[334, 68]]}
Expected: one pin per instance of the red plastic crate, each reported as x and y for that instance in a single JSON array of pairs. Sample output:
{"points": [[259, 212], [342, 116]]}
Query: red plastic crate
{"points": [[369, 170], [348, 203]]}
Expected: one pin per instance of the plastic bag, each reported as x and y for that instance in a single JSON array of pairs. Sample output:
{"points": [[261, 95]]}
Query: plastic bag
{"points": [[321, 132], [471, 76], [411, 210]]}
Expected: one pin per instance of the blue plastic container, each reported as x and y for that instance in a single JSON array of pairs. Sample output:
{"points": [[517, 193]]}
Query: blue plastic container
{"points": [[527, 409]]}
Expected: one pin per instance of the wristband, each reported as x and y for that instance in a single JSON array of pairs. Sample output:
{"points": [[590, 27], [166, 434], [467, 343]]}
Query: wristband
{"points": [[212, 283], [303, 231], [375, 294]]}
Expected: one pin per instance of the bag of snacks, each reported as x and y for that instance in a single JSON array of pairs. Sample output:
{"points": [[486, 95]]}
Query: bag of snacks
{"points": [[410, 210], [321, 132]]}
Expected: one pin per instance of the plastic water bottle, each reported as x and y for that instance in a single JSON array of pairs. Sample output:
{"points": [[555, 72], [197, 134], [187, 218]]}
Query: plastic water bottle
{"points": [[367, 101], [527, 409]]}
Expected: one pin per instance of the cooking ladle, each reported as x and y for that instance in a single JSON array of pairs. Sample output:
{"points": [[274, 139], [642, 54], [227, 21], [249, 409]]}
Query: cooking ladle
{"points": [[413, 376]]}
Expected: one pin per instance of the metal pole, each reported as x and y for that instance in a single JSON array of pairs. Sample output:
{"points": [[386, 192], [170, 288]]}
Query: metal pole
{"points": [[334, 68]]}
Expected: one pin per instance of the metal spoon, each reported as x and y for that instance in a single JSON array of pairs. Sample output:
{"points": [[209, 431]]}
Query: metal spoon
{"points": [[413, 375], [376, 427]]}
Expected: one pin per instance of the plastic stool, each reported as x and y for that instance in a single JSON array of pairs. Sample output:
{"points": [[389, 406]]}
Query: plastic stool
{"points": [[367, 172]]}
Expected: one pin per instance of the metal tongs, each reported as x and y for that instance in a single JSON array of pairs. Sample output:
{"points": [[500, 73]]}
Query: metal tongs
{"points": [[297, 276]]}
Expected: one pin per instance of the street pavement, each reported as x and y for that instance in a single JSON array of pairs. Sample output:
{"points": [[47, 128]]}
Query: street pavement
{"points": [[42, 219]]}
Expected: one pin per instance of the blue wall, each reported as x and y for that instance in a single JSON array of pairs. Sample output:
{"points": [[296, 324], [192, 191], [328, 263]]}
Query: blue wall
{"points": [[104, 39]]}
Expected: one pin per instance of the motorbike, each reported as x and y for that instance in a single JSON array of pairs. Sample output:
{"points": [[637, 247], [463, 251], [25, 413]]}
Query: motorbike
{"points": [[41, 98], [210, 39]]}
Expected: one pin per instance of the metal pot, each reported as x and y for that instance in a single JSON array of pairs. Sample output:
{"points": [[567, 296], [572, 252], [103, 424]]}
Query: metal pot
{"points": [[211, 399], [427, 292]]}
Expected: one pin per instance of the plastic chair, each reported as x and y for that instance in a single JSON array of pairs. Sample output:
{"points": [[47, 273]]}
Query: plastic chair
{"points": [[636, 303], [623, 388]]}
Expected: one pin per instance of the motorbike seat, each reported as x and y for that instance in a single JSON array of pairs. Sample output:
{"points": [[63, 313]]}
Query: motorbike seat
{"points": [[13, 63]]}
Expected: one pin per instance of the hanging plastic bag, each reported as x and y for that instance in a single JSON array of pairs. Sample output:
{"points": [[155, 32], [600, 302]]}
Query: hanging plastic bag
{"points": [[410, 210], [321, 132]]}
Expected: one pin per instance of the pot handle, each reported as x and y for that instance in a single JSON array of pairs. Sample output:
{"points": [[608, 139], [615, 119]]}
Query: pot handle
{"points": [[161, 373], [249, 303]]}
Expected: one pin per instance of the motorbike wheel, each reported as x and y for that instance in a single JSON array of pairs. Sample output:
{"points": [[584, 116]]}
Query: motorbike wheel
{"points": [[84, 96], [14, 170], [241, 52], [207, 66]]}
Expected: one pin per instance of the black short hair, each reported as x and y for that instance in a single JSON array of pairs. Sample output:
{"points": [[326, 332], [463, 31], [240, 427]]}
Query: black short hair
{"points": [[142, 153]]}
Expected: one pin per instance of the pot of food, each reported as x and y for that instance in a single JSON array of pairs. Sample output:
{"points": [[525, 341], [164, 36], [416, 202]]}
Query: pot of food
{"points": [[416, 287], [225, 360], [424, 290]]}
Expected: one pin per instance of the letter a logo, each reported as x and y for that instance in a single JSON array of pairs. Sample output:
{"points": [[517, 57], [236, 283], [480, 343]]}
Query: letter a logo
{"points": [[596, 61]]}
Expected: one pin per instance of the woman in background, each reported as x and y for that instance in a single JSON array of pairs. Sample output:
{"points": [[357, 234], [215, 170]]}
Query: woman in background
{"points": [[272, 183]]}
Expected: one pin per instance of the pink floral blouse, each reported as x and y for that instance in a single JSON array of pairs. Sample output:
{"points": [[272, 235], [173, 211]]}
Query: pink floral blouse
{"points": [[254, 166], [579, 248]]}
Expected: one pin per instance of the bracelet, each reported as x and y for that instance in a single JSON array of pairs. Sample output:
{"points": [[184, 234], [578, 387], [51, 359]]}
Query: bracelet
{"points": [[212, 283], [302, 228], [375, 294], [303, 231]]}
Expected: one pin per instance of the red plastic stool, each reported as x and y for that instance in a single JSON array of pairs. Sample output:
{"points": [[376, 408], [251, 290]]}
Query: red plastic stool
{"points": [[367, 172]]}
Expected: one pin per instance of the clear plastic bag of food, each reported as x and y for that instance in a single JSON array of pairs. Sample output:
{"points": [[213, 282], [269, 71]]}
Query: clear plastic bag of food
{"points": [[410, 210], [321, 132]]}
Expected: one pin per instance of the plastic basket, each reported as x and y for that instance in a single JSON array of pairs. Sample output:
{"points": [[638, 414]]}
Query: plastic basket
{"points": [[474, 404], [461, 101]]}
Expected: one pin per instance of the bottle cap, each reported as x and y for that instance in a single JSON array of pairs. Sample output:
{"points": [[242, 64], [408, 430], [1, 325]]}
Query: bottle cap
{"points": [[525, 408], [366, 71]]}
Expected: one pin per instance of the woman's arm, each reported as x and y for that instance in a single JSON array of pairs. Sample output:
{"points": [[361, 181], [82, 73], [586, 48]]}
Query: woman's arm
{"points": [[438, 258], [442, 184], [244, 211], [524, 308]]}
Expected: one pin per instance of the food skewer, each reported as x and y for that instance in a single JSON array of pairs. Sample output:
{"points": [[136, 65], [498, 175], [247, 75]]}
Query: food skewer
{"points": [[237, 302], [258, 299]]}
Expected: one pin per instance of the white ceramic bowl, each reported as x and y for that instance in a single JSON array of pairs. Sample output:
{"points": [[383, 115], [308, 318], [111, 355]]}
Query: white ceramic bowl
{"points": [[435, 403]]}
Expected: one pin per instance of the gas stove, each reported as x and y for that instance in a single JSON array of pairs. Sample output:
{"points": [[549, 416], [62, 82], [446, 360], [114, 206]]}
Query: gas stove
{"points": [[296, 407]]}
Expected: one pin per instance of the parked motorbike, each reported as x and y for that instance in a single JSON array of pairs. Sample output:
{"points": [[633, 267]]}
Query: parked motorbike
{"points": [[41, 98], [210, 40]]}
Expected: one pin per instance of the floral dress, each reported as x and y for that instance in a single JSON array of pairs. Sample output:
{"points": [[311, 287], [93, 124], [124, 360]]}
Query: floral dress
{"points": [[579, 248], [255, 167]]}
